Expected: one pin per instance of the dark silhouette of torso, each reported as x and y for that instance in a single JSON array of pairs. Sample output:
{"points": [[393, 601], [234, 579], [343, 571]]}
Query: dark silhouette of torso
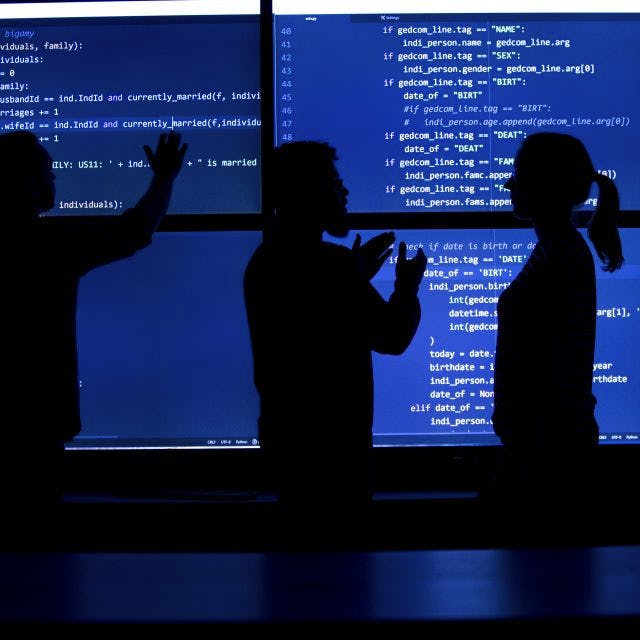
{"points": [[545, 349], [543, 400], [314, 321], [43, 261]]}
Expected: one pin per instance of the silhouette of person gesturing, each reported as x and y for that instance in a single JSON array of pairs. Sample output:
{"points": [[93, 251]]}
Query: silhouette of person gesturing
{"points": [[43, 259], [314, 321]]}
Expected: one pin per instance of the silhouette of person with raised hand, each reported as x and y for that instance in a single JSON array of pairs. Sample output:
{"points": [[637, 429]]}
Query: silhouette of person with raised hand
{"points": [[543, 400], [43, 259], [314, 320]]}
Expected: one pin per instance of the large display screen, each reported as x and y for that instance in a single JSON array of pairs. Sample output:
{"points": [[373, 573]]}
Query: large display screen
{"points": [[427, 103], [440, 391], [165, 356], [95, 81], [163, 345]]}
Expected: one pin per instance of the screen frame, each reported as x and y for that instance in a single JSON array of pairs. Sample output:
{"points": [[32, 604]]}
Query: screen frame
{"points": [[403, 468]]}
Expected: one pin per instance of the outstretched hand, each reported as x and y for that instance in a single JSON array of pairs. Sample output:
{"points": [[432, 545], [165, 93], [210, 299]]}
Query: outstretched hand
{"points": [[409, 272], [166, 161], [372, 254]]}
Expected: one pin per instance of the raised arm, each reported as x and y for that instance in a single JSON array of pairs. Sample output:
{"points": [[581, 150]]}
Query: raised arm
{"points": [[165, 162]]}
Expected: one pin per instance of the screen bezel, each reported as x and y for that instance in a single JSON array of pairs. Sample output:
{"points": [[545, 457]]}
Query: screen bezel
{"points": [[396, 468]]}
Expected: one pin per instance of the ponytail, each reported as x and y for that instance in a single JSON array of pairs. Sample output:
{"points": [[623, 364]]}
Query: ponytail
{"points": [[603, 228]]}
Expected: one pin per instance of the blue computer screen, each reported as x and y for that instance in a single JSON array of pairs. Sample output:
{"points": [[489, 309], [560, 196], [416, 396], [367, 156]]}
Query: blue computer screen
{"points": [[165, 356], [163, 346], [427, 103], [440, 390], [95, 81]]}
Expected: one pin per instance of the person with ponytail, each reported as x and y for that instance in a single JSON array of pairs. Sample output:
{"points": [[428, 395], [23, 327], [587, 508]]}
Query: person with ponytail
{"points": [[543, 401]]}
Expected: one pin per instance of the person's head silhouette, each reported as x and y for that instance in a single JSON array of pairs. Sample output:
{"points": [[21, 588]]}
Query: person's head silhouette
{"points": [[552, 175], [309, 194], [26, 178]]}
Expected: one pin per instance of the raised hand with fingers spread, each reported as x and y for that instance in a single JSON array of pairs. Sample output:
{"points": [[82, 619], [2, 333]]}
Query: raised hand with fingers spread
{"points": [[166, 160], [409, 271], [372, 254]]}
